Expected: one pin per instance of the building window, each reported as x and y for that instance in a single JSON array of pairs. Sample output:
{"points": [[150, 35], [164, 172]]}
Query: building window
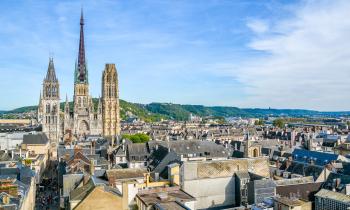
{"points": [[47, 108]]}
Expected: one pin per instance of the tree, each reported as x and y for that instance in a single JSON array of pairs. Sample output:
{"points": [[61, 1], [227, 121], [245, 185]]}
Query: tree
{"points": [[259, 122], [279, 123], [137, 138]]}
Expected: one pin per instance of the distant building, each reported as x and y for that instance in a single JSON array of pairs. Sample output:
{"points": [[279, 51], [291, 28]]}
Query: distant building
{"points": [[84, 118], [326, 200], [285, 203]]}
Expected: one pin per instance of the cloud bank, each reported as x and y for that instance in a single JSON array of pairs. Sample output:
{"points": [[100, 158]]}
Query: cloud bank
{"points": [[305, 61]]}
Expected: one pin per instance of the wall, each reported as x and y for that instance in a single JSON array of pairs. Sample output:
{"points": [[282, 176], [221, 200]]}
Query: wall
{"points": [[212, 183], [211, 192], [10, 141]]}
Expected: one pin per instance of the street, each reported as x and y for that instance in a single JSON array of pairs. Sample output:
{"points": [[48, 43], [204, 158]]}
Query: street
{"points": [[47, 197]]}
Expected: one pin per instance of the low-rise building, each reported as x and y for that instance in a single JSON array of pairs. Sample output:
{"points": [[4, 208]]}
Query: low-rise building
{"points": [[164, 198], [285, 203], [326, 200]]}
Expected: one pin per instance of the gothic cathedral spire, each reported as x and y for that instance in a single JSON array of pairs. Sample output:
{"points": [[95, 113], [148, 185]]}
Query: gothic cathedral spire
{"points": [[81, 73], [49, 105]]}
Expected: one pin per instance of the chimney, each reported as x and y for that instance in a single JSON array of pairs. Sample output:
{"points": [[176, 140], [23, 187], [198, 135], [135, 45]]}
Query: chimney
{"points": [[337, 182], [92, 167]]}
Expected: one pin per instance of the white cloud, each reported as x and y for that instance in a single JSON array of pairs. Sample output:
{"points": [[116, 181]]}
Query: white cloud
{"points": [[307, 61], [258, 26]]}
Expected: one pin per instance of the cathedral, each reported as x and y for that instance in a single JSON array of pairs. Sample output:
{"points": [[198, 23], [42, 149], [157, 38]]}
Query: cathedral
{"points": [[84, 118]]}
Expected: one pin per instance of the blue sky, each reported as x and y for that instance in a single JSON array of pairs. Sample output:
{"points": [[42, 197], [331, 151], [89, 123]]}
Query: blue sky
{"points": [[281, 54]]}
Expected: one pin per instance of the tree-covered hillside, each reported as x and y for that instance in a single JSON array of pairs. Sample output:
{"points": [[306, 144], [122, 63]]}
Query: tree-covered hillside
{"points": [[158, 111]]}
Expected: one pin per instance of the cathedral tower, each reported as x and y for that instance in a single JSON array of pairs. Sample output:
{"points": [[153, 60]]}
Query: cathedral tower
{"points": [[110, 101], [49, 105], [85, 120]]}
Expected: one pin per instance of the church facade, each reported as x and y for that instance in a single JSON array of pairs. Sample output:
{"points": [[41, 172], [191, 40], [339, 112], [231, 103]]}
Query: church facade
{"points": [[86, 116]]}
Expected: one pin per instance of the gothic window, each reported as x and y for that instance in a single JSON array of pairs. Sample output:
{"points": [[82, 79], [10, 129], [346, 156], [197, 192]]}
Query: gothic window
{"points": [[47, 108], [53, 91], [47, 91], [54, 109], [79, 102], [113, 92]]}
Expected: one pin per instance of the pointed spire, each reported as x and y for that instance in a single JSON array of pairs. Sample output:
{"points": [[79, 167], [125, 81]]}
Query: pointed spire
{"points": [[40, 101], [82, 17], [51, 74], [81, 67], [99, 106], [66, 105]]}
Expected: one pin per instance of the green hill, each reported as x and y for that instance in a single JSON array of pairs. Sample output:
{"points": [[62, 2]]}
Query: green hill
{"points": [[156, 111]]}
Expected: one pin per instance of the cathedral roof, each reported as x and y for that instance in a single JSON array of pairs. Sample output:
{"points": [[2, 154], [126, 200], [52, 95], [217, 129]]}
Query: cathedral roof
{"points": [[51, 74]]}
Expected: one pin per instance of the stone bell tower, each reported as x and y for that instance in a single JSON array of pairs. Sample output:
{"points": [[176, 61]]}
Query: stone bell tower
{"points": [[110, 102], [49, 105]]}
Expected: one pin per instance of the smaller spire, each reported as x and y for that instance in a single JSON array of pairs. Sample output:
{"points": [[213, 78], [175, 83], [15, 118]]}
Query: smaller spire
{"points": [[40, 101], [51, 74], [66, 106]]}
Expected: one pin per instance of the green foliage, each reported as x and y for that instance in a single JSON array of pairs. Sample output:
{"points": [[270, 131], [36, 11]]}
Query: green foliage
{"points": [[174, 111], [137, 138], [27, 161], [163, 111], [280, 123], [259, 122], [139, 111]]}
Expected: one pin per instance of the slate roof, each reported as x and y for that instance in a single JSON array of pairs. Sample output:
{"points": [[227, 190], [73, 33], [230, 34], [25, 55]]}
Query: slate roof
{"points": [[81, 192], [160, 159], [140, 151], [302, 169], [319, 158], [330, 182], [39, 138], [201, 148], [305, 191]]}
